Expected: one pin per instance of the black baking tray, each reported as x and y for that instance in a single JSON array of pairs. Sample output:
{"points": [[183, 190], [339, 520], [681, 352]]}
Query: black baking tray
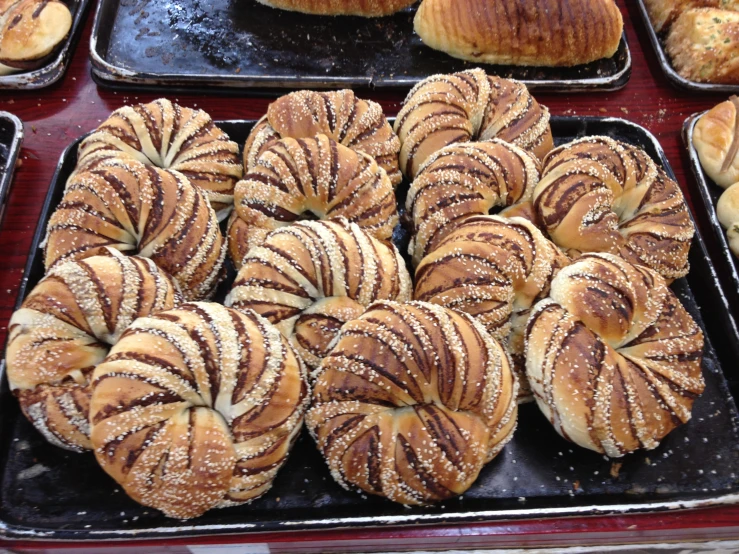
{"points": [[240, 43], [11, 138], [58, 61], [658, 43], [724, 261], [51, 494]]}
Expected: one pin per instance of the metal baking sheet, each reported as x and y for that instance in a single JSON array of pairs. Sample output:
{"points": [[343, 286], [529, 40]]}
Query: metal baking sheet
{"points": [[220, 43], [11, 138], [53, 70], [664, 60], [47, 493]]}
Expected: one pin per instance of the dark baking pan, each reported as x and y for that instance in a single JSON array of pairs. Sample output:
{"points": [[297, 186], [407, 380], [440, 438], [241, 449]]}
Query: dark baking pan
{"points": [[664, 60], [227, 44], [48, 493], [53, 70], [725, 263], [11, 137]]}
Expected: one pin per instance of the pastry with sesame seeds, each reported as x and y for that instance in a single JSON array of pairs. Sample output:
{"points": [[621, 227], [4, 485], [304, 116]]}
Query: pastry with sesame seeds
{"points": [[468, 106], [312, 277], [197, 408], [357, 124], [65, 327], [412, 402], [143, 210], [612, 356], [464, 180], [597, 194], [493, 269], [316, 178], [170, 136]]}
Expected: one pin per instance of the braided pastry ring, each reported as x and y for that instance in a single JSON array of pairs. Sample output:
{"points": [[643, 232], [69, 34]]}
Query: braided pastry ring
{"points": [[600, 195], [63, 330], [197, 408], [412, 402], [613, 358]]}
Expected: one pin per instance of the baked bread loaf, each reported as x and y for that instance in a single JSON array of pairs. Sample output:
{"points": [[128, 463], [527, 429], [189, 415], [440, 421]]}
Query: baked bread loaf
{"points": [[493, 269], [65, 327], [169, 136], [462, 180], [197, 408], [703, 45], [364, 8], [412, 402], [139, 209], [600, 195], [312, 277], [30, 30], [521, 32], [357, 124], [314, 178], [612, 356], [464, 107], [727, 210], [716, 140], [663, 13]]}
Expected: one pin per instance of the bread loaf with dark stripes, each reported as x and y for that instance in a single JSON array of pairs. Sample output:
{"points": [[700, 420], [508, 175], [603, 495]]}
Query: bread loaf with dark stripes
{"points": [[412, 402], [613, 358], [316, 178], [65, 327], [197, 408]]}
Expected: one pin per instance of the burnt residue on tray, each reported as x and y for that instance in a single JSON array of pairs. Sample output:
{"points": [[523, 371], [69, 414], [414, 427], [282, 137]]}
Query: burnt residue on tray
{"points": [[244, 43], [50, 493]]}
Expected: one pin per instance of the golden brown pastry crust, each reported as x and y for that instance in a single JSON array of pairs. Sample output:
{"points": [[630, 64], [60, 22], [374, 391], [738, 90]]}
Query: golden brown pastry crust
{"points": [[663, 13], [63, 330], [612, 356], [521, 32], [727, 211], [716, 140], [197, 408], [364, 8], [412, 401]]}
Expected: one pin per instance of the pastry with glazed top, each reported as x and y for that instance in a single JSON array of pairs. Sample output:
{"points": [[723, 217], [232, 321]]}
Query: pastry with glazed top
{"points": [[464, 107], [716, 140], [663, 13], [412, 402], [169, 136], [64, 329], [521, 32], [463, 180], [727, 211], [30, 30], [493, 269], [613, 358], [312, 277], [363, 8], [139, 209], [197, 408], [357, 124], [317, 178], [600, 195]]}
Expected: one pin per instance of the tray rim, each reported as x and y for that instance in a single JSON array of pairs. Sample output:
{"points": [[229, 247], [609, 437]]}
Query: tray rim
{"points": [[13, 531], [673, 76], [55, 69], [108, 74], [13, 152]]}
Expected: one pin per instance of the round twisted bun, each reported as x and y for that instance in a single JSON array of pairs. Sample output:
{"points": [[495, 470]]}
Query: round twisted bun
{"points": [[142, 210], [63, 330], [312, 277], [357, 124], [612, 356], [468, 106], [727, 210], [412, 402], [315, 178], [197, 408], [716, 139], [600, 195], [169, 136], [494, 269], [463, 180]]}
